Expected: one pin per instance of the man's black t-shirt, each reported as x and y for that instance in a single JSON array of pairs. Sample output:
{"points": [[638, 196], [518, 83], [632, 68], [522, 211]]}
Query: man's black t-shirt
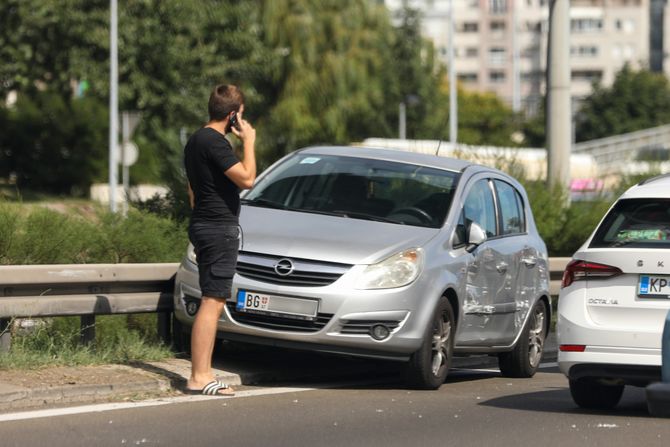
{"points": [[207, 156]]}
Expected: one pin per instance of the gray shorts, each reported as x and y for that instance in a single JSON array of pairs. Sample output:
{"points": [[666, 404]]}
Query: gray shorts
{"points": [[216, 248]]}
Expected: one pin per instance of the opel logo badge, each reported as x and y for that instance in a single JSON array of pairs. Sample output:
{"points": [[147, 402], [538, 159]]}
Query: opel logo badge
{"points": [[284, 267]]}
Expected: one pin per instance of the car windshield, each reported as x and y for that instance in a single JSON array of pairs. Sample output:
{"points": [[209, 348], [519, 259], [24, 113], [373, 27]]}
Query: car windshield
{"points": [[636, 223], [358, 188]]}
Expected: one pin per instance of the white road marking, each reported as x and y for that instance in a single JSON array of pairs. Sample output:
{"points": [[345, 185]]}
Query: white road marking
{"points": [[99, 408]]}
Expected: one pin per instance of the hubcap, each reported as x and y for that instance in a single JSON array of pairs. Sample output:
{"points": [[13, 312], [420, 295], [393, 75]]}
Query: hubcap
{"points": [[536, 338], [441, 340]]}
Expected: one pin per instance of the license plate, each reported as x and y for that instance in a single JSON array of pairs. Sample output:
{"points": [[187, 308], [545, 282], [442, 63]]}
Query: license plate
{"points": [[276, 305], [654, 286]]}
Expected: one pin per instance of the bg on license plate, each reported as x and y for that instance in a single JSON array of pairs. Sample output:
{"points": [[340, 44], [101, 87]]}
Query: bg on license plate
{"points": [[248, 301], [653, 286]]}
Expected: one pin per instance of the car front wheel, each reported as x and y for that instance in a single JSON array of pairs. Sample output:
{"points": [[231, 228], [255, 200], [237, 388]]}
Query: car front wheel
{"points": [[524, 359], [428, 367], [590, 393]]}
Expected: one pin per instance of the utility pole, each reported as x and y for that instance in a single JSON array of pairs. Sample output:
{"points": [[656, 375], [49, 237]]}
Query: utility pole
{"points": [[559, 111], [516, 78], [453, 105], [113, 105]]}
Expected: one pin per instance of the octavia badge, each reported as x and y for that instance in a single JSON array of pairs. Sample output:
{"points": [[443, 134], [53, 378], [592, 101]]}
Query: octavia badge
{"points": [[284, 267]]}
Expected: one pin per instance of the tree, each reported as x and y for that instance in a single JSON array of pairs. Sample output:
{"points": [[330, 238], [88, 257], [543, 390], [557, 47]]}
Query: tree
{"points": [[636, 100], [331, 81]]}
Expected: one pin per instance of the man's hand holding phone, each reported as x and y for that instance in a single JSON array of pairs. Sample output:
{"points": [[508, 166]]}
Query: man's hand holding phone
{"points": [[243, 130]]}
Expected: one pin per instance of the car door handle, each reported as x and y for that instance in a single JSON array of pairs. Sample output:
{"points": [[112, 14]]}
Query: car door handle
{"points": [[530, 261], [502, 267]]}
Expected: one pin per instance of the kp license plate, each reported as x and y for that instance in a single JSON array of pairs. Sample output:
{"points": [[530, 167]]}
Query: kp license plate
{"points": [[276, 305], [654, 286]]}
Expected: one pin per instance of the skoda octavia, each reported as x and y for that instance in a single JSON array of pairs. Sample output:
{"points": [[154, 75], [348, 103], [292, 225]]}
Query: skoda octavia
{"points": [[386, 254], [615, 297]]}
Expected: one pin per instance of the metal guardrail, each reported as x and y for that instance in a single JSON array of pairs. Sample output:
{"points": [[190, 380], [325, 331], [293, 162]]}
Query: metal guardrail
{"points": [[611, 153], [87, 290]]}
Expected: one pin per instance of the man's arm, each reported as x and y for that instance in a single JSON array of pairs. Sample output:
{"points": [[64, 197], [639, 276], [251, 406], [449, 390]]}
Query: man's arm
{"points": [[243, 174], [191, 196]]}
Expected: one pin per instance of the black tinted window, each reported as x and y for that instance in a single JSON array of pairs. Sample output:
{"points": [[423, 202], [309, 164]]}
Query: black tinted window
{"points": [[511, 208], [643, 223], [479, 207]]}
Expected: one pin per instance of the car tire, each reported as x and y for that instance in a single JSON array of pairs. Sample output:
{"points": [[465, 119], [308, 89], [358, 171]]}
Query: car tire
{"points": [[181, 337], [428, 367], [524, 360], [590, 393]]}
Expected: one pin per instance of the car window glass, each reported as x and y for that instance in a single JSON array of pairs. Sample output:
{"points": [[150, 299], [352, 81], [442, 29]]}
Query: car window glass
{"points": [[643, 223], [510, 211], [480, 208], [358, 188]]}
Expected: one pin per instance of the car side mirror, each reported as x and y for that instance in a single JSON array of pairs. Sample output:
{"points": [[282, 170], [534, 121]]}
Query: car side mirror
{"points": [[476, 236]]}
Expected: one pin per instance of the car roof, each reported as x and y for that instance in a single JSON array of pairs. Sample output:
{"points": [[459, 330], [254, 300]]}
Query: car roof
{"points": [[397, 155], [653, 187]]}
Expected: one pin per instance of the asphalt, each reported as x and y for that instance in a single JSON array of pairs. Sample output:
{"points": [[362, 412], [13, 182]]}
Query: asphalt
{"points": [[239, 365]]}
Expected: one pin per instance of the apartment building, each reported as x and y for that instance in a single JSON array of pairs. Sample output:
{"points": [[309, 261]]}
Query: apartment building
{"points": [[501, 45]]}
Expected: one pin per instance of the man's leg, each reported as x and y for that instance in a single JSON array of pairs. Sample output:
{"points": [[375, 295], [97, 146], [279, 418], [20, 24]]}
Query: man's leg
{"points": [[203, 336]]}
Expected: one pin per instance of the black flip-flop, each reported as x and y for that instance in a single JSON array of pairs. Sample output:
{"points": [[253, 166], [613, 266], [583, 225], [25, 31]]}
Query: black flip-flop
{"points": [[211, 389]]}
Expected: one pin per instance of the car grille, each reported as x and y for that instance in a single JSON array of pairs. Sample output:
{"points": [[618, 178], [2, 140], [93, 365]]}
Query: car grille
{"points": [[279, 323], [363, 327], [305, 272]]}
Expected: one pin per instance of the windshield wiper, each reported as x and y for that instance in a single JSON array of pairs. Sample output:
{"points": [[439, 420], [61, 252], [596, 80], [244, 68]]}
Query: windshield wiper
{"points": [[264, 203], [357, 215]]}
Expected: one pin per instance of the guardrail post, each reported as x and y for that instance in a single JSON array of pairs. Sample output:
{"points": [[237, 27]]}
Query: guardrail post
{"points": [[658, 394], [5, 335], [87, 332], [163, 325]]}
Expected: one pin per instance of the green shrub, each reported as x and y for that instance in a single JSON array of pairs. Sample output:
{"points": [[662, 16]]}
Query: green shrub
{"points": [[140, 237], [56, 343], [563, 227]]}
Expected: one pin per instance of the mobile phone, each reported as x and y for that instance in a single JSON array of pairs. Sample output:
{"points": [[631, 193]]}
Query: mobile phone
{"points": [[234, 122]]}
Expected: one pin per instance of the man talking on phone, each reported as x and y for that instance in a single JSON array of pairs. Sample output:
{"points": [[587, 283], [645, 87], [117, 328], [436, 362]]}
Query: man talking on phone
{"points": [[215, 178]]}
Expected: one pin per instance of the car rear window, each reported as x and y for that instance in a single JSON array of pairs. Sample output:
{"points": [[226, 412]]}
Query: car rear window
{"points": [[636, 223]]}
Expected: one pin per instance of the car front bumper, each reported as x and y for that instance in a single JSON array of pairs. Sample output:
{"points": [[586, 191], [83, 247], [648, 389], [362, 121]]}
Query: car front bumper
{"points": [[406, 310]]}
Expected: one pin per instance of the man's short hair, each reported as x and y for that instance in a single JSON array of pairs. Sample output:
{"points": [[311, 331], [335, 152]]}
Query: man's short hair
{"points": [[225, 98]]}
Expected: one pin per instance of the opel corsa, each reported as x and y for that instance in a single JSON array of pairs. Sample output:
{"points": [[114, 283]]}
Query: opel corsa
{"points": [[615, 297], [386, 254]]}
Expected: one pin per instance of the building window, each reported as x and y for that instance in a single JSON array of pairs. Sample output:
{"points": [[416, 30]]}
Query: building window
{"points": [[586, 25], [468, 77], [497, 26], [587, 75], [497, 77], [584, 51], [497, 56], [497, 6], [625, 25], [471, 52], [469, 27]]}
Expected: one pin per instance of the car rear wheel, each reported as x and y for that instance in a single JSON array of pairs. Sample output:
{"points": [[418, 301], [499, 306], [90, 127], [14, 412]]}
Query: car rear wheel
{"points": [[428, 367], [590, 393], [525, 358]]}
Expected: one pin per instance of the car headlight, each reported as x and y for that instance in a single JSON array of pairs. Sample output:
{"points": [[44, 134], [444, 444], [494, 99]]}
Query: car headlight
{"points": [[395, 271], [190, 254]]}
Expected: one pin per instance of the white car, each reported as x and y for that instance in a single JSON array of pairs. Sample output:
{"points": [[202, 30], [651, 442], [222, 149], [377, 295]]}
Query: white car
{"points": [[614, 298]]}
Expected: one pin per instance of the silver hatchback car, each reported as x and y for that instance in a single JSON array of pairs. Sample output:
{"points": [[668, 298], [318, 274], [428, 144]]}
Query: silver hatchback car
{"points": [[387, 254]]}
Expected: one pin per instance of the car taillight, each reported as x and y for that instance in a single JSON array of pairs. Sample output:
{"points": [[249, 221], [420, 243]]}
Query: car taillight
{"points": [[577, 270]]}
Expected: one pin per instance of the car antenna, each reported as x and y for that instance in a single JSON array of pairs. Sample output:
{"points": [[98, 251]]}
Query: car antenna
{"points": [[437, 151]]}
